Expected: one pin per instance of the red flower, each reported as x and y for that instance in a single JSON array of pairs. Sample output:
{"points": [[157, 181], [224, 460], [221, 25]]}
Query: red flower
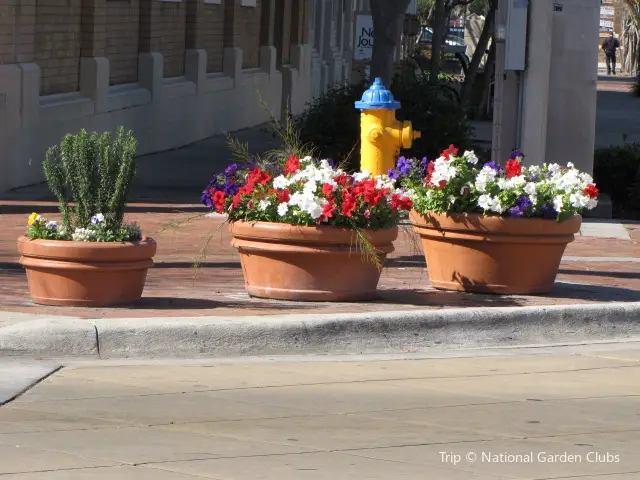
{"points": [[257, 176], [452, 151], [284, 196], [442, 184], [513, 168], [430, 169], [236, 200], [219, 198], [399, 202], [591, 191], [292, 165], [349, 203], [327, 189], [341, 179], [327, 211]]}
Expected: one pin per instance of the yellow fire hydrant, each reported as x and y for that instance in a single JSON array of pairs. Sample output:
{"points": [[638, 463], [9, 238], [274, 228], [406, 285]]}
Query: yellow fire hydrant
{"points": [[381, 135]]}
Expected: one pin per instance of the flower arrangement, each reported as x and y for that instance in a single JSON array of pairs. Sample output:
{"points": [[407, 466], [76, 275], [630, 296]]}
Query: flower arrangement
{"points": [[458, 183], [91, 176], [305, 191]]}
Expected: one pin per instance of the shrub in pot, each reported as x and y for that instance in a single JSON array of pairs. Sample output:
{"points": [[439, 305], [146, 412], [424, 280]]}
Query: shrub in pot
{"points": [[306, 230], [485, 228], [92, 257]]}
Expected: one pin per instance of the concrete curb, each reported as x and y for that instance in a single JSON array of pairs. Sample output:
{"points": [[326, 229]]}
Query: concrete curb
{"points": [[380, 332]]}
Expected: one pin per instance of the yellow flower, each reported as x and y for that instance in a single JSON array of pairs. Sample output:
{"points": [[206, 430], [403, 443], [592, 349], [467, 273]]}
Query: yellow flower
{"points": [[32, 218]]}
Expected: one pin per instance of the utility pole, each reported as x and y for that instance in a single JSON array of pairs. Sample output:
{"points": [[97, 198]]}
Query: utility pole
{"points": [[505, 115]]}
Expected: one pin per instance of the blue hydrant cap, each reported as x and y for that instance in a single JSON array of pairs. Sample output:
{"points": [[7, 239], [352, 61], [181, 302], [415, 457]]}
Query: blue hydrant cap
{"points": [[377, 97]]}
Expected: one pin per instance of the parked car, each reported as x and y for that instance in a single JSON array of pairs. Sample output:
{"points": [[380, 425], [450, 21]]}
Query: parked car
{"points": [[453, 43]]}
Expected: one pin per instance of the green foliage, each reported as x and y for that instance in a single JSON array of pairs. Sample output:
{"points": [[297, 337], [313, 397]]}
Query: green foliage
{"points": [[91, 174], [616, 170], [332, 123]]}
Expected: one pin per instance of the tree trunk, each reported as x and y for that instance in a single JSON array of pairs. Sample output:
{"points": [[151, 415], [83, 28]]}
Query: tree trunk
{"points": [[483, 41], [386, 35], [439, 29], [486, 81]]}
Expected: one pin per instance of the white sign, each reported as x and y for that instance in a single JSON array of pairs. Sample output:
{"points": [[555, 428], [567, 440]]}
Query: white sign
{"points": [[607, 11], [363, 48], [606, 24]]}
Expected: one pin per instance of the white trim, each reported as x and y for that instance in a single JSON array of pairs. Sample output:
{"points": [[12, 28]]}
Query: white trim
{"points": [[248, 3]]}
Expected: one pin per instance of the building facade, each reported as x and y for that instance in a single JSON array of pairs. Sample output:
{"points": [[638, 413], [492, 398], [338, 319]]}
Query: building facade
{"points": [[173, 71]]}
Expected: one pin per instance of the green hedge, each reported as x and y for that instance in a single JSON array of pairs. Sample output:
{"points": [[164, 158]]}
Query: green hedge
{"points": [[615, 171]]}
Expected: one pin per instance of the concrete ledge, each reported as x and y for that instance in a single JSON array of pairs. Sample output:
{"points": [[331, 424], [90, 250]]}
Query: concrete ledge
{"points": [[385, 332]]}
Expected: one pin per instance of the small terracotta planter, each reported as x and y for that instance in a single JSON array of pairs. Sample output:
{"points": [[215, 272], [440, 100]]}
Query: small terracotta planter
{"points": [[287, 262], [95, 274], [474, 253]]}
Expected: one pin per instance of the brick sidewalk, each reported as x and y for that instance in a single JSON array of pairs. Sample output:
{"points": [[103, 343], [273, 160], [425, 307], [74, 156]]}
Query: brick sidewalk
{"points": [[174, 288]]}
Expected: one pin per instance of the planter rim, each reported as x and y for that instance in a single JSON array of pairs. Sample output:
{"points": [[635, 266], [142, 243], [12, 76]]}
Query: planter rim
{"points": [[144, 248], [304, 234], [477, 222]]}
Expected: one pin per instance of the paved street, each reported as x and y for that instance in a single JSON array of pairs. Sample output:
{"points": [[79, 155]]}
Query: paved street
{"points": [[529, 414]]}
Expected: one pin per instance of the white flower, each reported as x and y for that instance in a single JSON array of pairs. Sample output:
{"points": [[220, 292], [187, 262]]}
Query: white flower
{"points": [[452, 199], [484, 202], [470, 157], [585, 177], [558, 203], [315, 210], [310, 188], [443, 170], [570, 165], [496, 206], [383, 181], [281, 182], [308, 159], [359, 176], [264, 204], [283, 208], [51, 225], [83, 235], [591, 204], [530, 189], [534, 169]]}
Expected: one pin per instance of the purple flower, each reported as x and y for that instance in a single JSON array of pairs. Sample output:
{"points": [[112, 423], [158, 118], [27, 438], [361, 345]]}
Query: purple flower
{"points": [[393, 174], [230, 188], [404, 166], [517, 153], [205, 199], [515, 212], [424, 163], [492, 165], [331, 162], [548, 211], [524, 203], [231, 169], [534, 178]]}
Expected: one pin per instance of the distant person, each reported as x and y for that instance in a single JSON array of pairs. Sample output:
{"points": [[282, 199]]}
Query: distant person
{"points": [[610, 45]]}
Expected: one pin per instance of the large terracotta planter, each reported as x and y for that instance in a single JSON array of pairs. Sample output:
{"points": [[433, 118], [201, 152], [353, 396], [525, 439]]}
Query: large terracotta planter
{"points": [[96, 274], [287, 262], [474, 253]]}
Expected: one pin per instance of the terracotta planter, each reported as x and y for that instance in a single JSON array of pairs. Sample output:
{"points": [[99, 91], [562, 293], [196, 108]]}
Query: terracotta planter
{"points": [[474, 253], [96, 274], [288, 262]]}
